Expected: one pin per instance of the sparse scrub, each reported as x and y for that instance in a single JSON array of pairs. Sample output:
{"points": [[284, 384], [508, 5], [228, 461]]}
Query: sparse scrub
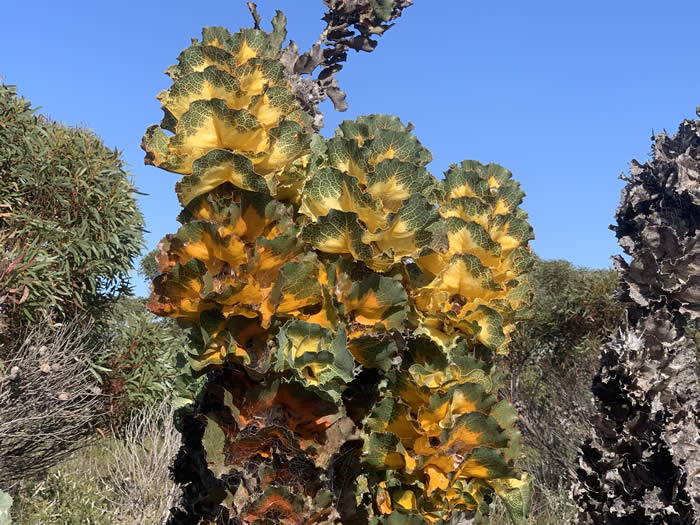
{"points": [[553, 358], [548, 508], [49, 399], [122, 481], [138, 469]]}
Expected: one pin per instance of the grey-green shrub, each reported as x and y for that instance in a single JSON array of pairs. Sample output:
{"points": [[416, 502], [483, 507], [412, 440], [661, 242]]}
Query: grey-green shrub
{"points": [[70, 227]]}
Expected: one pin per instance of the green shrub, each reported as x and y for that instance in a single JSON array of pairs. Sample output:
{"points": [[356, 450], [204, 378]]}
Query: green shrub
{"points": [[553, 359], [72, 493], [141, 360], [70, 227]]}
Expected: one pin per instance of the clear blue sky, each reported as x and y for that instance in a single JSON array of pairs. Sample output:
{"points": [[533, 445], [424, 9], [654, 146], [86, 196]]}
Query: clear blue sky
{"points": [[563, 94]]}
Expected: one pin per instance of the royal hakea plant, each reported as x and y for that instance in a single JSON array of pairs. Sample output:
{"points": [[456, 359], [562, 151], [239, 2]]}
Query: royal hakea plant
{"points": [[347, 306], [642, 461]]}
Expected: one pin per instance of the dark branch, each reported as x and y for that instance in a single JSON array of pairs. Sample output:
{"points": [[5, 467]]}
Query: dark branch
{"points": [[350, 24]]}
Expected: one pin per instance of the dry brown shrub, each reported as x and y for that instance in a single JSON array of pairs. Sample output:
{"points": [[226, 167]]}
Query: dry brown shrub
{"points": [[49, 400], [139, 470]]}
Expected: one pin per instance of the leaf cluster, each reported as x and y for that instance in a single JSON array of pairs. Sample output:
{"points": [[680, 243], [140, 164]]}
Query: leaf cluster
{"points": [[641, 454], [333, 287]]}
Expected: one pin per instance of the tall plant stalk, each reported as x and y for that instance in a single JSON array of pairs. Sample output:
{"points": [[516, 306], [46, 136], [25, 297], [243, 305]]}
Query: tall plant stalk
{"points": [[642, 463]]}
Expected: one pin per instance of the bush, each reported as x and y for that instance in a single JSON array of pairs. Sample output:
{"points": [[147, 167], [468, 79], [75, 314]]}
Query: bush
{"points": [[70, 227], [71, 494], [48, 399], [113, 481], [553, 358], [141, 360], [139, 468]]}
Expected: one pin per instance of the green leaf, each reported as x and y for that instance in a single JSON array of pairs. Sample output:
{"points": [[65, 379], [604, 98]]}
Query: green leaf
{"points": [[338, 232], [516, 495], [318, 357]]}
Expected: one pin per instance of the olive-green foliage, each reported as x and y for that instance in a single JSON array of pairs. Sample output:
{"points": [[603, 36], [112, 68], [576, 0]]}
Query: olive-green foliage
{"points": [[148, 266], [72, 493], [142, 359], [70, 227], [554, 356], [573, 309]]}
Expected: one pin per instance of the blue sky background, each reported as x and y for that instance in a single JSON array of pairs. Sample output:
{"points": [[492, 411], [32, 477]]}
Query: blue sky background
{"points": [[563, 94]]}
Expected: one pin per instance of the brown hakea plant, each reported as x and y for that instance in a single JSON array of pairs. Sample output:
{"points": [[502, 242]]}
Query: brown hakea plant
{"points": [[642, 464], [346, 306]]}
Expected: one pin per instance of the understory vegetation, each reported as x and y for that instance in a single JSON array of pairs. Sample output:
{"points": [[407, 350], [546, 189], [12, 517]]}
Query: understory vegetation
{"points": [[121, 480]]}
